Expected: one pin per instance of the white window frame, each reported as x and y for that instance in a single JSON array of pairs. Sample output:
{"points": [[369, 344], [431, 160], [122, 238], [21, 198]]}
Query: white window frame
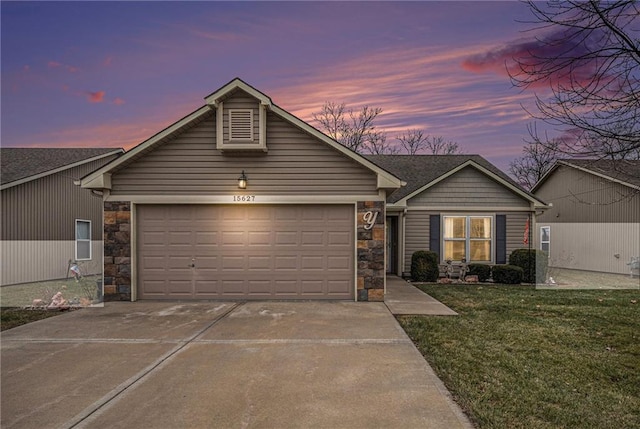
{"points": [[548, 242], [82, 240], [231, 134], [468, 239]]}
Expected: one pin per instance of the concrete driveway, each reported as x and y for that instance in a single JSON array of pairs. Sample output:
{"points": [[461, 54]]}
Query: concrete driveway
{"points": [[222, 365]]}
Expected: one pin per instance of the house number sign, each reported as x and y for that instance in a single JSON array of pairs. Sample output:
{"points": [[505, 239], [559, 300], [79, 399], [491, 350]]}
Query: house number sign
{"points": [[244, 198], [370, 219]]}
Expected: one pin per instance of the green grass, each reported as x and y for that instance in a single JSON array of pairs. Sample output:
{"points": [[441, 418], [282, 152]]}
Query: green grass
{"points": [[12, 317], [517, 357]]}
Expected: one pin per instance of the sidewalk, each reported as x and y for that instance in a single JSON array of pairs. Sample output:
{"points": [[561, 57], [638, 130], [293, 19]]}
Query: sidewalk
{"points": [[403, 298]]}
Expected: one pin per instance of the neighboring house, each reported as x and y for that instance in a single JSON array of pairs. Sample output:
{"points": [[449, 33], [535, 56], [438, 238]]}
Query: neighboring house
{"points": [[46, 219], [242, 200], [460, 206], [594, 221]]}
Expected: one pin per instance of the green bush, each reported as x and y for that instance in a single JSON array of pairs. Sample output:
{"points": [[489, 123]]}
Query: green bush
{"points": [[507, 274], [481, 270], [424, 266], [534, 264]]}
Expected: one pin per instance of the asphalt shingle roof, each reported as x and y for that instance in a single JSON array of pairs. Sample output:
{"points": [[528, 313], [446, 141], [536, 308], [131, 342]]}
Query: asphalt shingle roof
{"points": [[418, 170], [624, 170], [21, 163]]}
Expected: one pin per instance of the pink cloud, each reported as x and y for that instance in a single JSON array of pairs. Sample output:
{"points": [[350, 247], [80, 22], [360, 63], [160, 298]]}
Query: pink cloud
{"points": [[522, 58], [95, 97], [107, 61], [118, 101], [26, 68], [72, 69], [53, 64]]}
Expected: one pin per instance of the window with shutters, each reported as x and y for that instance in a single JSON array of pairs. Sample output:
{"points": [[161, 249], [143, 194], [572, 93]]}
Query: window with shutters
{"points": [[467, 237], [241, 125]]}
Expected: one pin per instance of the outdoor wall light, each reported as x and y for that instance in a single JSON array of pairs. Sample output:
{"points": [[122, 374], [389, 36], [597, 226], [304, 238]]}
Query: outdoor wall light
{"points": [[242, 181]]}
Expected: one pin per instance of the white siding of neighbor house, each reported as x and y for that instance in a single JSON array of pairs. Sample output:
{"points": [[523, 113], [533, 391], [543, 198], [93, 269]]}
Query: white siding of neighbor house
{"points": [[468, 188], [24, 261], [295, 164], [592, 246]]}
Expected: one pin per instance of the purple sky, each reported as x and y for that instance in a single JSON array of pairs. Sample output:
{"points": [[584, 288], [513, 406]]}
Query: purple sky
{"points": [[113, 74]]}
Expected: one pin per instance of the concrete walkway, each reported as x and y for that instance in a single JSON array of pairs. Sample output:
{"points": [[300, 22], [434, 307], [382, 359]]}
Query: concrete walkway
{"points": [[223, 365], [403, 298]]}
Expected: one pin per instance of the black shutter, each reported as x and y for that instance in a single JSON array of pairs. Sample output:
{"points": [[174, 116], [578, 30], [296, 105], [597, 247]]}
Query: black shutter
{"points": [[434, 234], [501, 239]]}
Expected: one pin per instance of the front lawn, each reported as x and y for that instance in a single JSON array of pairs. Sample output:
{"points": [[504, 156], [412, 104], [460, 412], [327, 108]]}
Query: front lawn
{"points": [[517, 357]]}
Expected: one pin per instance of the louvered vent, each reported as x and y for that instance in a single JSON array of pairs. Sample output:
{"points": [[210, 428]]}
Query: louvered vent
{"points": [[241, 124]]}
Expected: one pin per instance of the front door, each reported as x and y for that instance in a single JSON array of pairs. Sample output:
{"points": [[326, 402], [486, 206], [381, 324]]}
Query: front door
{"points": [[391, 253]]}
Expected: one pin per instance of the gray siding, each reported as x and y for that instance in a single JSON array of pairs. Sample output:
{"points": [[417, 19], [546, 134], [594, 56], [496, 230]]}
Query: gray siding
{"points": [[582, 197], [417, 231], [416, 234], [516, 223], [296, 164], [468, 188], [46, 208]]}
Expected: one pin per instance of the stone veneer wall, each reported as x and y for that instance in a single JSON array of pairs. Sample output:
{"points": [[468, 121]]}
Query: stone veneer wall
{"points": [[371, 250], [117, 251]]}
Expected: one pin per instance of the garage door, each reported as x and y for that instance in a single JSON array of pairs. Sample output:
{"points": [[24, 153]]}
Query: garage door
{"points": [[245, 252]]}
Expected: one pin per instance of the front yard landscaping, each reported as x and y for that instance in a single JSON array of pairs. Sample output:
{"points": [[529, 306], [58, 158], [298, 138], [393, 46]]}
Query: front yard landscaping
{"points": [[517, 357]]}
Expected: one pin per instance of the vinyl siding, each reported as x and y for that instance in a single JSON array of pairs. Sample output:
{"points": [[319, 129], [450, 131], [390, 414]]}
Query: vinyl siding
{"points": [[46, 208], [592, 246], [295, 164], [31, 261], [417, 231], [581, 197], [468, 188], [416, 235]]}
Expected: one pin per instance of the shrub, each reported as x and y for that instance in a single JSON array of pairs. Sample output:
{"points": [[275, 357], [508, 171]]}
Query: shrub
{"points": [[424, 266], [507, 274], [481, 270], [534, 264]]}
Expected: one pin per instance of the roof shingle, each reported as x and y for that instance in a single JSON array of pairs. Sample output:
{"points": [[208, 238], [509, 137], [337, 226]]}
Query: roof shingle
{"points": [[21, 163]]}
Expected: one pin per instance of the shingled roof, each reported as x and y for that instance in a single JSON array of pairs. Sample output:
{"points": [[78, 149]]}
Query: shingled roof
{"points": [[419, 170], [21, 163], [622, 170]]}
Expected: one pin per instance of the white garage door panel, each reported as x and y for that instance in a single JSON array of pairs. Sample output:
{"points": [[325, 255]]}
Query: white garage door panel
{"points": [[244, 252]]}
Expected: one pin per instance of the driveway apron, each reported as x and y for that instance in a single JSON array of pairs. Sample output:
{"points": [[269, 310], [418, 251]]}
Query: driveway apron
{"points": [[221, 364]]}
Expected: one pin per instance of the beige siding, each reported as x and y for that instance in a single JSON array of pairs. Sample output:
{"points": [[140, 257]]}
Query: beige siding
{"points": [[30, 261], [416, 235], [581, 197], [296, 164], [46, 208], [468, 188], [592, 246]]}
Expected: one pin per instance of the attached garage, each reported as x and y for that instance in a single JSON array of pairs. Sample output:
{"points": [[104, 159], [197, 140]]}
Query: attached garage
{"points": [[242, 200], [245, 252]]}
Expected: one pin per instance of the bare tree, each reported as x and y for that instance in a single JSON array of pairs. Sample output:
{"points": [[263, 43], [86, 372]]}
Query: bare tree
{"points": [[588, 54], [415, 141], [377, 144], [437, 145], [536, 160], [354, 130]]}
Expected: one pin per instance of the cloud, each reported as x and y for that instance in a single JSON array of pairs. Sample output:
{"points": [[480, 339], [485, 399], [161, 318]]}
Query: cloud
{"points": [[118, 101], [107, 61], [557, 57], [95, 97], [55, 64]]}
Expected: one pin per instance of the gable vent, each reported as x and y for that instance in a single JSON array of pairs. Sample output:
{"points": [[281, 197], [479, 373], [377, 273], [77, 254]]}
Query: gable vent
{"points": [[241, 124]]}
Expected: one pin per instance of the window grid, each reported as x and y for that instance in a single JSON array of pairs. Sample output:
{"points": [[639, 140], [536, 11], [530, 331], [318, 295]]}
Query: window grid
{"points": [[476, 236]]}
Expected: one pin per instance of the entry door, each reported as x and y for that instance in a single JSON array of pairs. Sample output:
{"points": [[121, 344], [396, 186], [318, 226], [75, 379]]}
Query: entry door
{"points": [[391, 254]]}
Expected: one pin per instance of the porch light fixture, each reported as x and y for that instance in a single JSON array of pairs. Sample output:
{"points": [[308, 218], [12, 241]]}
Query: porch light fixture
{"points": [[242, 181]]}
